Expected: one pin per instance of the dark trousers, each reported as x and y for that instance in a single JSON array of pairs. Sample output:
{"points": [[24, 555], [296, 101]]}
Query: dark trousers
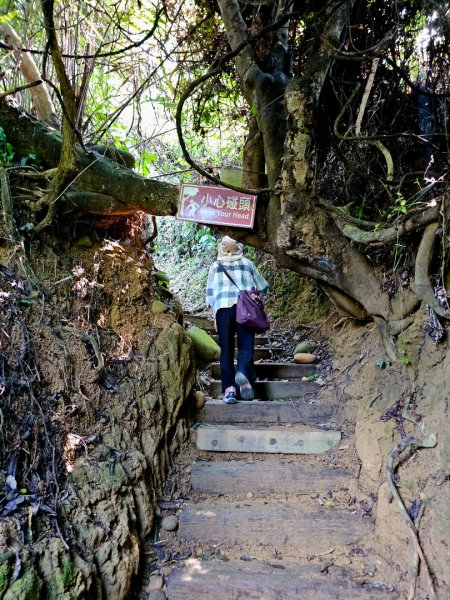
{"points": [[227, 328]]}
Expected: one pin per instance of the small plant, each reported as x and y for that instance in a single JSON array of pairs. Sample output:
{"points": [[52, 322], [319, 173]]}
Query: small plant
{"points": [[404, 359], [382, 363], [400, 207], [6, 150]]}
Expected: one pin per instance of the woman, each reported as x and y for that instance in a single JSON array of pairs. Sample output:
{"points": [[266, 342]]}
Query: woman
{"points": [[222, 295]]}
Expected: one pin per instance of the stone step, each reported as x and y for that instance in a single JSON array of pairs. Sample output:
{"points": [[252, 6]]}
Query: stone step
{"points": [[273, 390], [275, 477], [274, 580], [273, 370], [267, 411], [287, 526], [226, 438]]}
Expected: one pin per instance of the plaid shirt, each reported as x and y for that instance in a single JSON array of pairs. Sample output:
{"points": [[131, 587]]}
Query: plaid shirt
{"points": [[221, 293]]}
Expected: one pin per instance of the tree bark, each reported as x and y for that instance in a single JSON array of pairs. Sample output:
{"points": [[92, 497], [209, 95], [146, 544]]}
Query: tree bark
{"points": [[42, 104], [95, 173]]}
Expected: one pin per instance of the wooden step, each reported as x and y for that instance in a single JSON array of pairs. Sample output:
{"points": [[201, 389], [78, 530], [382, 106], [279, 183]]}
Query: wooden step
{"points": [[273, 390], [287, 526], [223, 438], [200, 321], [288, 411], [260, 340], [275, 477], [262, 354], [275, 580], [273, 370]]}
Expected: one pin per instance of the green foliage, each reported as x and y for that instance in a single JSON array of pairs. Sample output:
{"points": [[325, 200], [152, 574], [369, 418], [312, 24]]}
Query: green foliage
{"points": [[6, 150], [402, 344], [400, 207]]}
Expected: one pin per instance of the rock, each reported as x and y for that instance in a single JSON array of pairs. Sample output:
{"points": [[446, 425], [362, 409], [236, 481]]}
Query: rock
{"points": [[157, 595], [169, 523], [199, 399], [84, 242], [204, 345], [159, 307], [156, 582], [304, 358], [11, 482], [307, 346]]}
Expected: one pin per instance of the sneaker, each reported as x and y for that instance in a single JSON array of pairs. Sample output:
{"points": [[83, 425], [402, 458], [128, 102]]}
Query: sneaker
{"points": [[230, 396], [245, 387]]}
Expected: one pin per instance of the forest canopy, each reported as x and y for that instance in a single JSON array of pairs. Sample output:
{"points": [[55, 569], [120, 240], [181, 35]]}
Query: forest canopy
{"points": [[335, 111]]}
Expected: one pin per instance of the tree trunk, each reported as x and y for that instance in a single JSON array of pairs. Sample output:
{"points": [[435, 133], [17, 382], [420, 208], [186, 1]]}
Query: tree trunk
{"points": [[123, 191]]}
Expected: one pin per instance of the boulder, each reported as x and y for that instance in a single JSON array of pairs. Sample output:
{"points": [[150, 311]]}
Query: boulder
{"points": [[307, 346], [204, 345], [304, 358]]}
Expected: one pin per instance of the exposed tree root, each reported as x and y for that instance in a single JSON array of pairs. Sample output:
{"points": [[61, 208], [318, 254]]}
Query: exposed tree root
{"points": [[424, 289], [414, 443], [15, 243], [88, 338]]}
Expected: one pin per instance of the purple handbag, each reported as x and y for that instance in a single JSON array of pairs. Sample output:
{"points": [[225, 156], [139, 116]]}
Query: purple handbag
{"points": [[250, 311], [249, 308]]}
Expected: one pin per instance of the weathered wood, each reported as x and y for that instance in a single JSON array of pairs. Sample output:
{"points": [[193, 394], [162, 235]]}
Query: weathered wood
{"points": [[236, 477], [290, 411], [274, 370], [260, 340], [236, 579], [273, 441], [273, 390], [283, 525], [203, 322], [262, 354]]}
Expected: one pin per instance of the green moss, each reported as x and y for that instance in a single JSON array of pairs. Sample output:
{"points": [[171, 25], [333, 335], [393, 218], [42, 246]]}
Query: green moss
{"points": [[4, 578], [28, 587], [203, 343], [60, 582], [69, 573]]}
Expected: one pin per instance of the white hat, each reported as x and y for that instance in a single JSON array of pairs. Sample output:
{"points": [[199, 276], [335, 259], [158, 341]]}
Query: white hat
{"points": [[229, 249]]}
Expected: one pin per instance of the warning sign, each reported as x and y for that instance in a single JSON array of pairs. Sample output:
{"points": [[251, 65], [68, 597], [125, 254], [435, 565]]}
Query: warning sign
{"points": [[216, 205]]}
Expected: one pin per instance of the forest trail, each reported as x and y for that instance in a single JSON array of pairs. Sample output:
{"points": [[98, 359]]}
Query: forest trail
{"points": [[269, 512]]}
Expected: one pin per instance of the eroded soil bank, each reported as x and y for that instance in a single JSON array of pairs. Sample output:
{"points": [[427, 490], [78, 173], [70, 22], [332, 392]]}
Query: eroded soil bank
{"points": [[96, 376], [380, 405]]}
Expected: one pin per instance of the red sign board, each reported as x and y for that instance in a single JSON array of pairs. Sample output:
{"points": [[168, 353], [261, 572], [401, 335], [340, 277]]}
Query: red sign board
{"points": [[216, 205]]}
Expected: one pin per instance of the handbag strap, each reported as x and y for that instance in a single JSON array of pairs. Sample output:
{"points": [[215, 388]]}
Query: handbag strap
{"points": [[222, 268]]}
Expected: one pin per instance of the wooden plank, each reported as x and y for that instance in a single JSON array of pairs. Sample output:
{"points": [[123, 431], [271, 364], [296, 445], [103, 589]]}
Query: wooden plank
{"points": [[202, 322], [271, 370], [257, 580], [273, 441], [273, 390], [263, 354], [286, 526], [295, 411], [238, 477], [260, 340]]}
